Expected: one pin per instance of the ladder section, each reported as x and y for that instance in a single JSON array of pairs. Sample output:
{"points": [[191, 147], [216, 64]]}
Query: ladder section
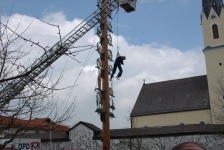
{"points": [[13, 88], [89, 23]]}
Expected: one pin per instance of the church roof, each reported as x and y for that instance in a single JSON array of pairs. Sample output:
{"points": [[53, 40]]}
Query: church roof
{"points": [[208, 4], [209, 48], [37, 123], [94, 128], [172, 96]]}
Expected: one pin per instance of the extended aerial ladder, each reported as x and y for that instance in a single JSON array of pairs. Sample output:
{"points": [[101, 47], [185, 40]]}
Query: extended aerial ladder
{"points": [[14, 87]]}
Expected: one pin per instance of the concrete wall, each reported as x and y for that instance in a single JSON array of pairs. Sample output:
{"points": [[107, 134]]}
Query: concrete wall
{"points": [[82, 135], [82, 138], [210, 142], [56, 145]]}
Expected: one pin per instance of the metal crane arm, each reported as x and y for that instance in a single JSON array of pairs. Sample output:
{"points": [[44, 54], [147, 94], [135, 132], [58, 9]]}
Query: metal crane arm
{"points": [[12, 89]]}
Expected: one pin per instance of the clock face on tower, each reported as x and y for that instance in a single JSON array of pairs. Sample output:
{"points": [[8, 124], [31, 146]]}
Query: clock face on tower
{"points": [[212, 16]]}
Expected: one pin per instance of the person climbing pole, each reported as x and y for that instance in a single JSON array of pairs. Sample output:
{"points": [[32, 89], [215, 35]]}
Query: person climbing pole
{"points": [[118, 62]]}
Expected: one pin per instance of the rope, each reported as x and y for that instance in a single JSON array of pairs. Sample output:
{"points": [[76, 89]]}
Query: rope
{"points": [[117, 36]]}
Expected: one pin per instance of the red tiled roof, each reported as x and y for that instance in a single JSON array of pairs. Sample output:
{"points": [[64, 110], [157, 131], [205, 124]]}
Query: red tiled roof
{"points": [[40, 123]]}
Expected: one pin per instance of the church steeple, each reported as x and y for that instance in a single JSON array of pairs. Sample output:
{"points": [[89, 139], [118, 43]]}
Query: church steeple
{"points": [[217, 5], [212, 22], [213, 32]]}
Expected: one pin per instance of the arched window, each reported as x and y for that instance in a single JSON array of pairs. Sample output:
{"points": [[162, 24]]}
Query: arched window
{"points": [[215, 31]]}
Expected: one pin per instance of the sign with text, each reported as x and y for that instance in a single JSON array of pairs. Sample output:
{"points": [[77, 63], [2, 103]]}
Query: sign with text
{"points": [[27, 144]]}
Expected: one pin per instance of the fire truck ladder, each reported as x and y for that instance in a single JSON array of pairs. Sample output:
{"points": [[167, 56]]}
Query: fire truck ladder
{"points": [[14, 87]]}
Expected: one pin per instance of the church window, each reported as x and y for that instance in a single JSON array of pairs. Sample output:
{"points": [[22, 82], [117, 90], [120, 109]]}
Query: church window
{"points": [[215, 31], [181, 123], [202, 122]]}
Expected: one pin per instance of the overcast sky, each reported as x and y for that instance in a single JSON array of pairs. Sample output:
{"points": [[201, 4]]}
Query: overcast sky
{"points": [[162, 40]]}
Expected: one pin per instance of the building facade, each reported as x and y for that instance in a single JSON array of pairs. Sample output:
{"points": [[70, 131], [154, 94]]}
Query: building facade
{"points": [[191, 100]]}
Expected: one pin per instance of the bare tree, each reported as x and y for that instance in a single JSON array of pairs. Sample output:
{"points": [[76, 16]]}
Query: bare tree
{"points": [[218, 100], [38, 98]]}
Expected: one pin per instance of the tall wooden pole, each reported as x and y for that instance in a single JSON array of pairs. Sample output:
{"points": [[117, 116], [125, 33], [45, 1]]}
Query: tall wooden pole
{"points": [[106, 103]]}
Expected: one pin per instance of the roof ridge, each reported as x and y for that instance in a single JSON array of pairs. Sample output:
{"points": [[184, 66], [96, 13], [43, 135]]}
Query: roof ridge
{"points": [[88, 125], [176, 79]]}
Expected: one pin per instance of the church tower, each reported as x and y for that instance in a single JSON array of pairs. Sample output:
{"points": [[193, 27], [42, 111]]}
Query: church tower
{"points": [[212, 18]]}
